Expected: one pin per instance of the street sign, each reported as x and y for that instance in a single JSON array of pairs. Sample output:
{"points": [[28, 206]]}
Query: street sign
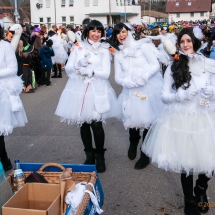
{"points": [[19, 2], [122, 14]]}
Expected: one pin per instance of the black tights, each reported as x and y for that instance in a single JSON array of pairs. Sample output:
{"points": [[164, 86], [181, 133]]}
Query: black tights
{"points": [[3, 153], [187, 184], [135, 135], [98, 133]]}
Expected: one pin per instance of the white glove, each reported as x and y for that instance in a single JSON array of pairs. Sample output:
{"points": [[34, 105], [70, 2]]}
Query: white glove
{"points": [[127, 82], [86, 71], [83, 62], [186, 94], [207, 91]]}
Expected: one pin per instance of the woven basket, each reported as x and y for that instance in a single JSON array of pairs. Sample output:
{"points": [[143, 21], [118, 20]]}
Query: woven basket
{"points": [[53, 178]]}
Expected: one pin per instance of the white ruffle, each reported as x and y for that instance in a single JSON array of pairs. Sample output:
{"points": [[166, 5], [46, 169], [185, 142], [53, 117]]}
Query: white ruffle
{"points": [[182, 143], [139, 113], [73, 108]]}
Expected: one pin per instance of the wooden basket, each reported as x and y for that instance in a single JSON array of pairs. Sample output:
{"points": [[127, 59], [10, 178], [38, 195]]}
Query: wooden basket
{"points": [[53, 178]]}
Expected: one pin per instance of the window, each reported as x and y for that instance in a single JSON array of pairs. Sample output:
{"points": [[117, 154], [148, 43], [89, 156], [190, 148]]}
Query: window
{"points": [[202, 14], [49, 22], [41, 19], [48, 3], [189, 3], [117, 2], [95, 2], [86, 3], [71, 19], [178, 15], [177, 4], [63, 19], [191, 14], [63, 2], [71, 2]]}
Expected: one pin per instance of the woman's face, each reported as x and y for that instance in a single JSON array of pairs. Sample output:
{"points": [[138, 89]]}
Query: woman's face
{"points": [[122, 35], [186, 44], [95, 35]]}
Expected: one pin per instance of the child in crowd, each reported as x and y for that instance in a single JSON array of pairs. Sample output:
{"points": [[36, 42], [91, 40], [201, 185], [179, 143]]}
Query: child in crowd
{"points": [[46, 62]]}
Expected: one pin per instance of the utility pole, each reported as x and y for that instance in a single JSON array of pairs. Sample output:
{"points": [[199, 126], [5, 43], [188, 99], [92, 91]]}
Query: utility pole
{"points": [[55, 11], [125, 10], [150, 5], [110, 17]]}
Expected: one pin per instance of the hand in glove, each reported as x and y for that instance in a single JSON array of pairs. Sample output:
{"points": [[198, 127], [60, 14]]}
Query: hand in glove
{"points": [[83, 62], [127, 82], [207, 91], [86, 71], [186, 94]]}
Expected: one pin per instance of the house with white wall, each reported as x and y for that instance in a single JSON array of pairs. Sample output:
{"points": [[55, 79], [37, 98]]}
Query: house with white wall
{"points": [[188, 10], [7, 19], [78, 12], [213, 11]]}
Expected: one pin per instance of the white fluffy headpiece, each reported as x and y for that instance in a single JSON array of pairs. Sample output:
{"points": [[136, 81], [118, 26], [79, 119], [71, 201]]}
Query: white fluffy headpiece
{"points": [[197, 32]]}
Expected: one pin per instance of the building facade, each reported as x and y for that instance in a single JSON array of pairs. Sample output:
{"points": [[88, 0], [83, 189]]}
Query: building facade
{"points": [[188, 10], [7, 19], [78, 12], [213, 11]]}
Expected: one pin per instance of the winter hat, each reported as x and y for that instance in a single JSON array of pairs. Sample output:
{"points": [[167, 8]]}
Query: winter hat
{"points": [[37, 30]]}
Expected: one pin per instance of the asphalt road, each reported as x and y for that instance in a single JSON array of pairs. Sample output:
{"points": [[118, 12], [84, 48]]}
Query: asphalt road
{"points": [[151, 191]]}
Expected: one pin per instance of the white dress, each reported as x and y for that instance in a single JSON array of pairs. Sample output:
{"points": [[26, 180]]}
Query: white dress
{"points": [[141, 105], [60, 55], [86, 99], [183, 139], [10, 83]]}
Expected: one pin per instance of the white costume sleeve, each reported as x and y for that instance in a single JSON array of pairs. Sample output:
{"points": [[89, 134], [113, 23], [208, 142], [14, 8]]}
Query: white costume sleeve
{"points": [[70, 66], [212, 80], [167, 95], [105, 72], [152, 61], [118, 71], [10, 61]]}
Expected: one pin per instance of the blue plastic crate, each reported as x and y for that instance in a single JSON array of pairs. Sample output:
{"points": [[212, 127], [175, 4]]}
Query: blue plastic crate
{"points": [[90, 209]]}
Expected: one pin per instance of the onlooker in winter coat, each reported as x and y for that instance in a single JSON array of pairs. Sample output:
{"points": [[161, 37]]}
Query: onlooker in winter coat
{"points": [[46, 62]]}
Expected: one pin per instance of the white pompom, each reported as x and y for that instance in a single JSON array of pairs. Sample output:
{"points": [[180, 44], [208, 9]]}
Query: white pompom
{"points": [[169, 47], [197, 32]]}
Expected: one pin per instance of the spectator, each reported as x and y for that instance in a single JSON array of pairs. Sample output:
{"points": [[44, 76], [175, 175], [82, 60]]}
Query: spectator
{"points": [[46, 62]]}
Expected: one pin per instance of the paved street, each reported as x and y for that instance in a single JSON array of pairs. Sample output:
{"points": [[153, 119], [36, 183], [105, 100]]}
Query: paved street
{"points": [[151, 191]]}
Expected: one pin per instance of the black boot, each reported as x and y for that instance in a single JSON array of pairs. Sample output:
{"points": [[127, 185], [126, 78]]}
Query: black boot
{"points": [[201, 198], [142, 162], [90, 157], [7, 165], [190, 207], [60, 75], [100, 161], [132, 151]]}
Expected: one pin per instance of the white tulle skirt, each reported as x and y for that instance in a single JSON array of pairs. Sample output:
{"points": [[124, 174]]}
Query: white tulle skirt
{"points": [[9, 119], [138, 112], [60, 56], [182, 142], [77, 101]]}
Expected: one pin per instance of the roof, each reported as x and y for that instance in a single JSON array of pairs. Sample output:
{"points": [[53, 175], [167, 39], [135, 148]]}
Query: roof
{"points": [[196, 6], [153, 13], [6, 14]]}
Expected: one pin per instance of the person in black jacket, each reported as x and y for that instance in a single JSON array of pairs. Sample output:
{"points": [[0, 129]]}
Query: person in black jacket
{"points": [[46, 62]]}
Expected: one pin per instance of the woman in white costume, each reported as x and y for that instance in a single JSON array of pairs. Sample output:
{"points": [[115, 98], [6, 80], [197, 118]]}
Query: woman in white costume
{"points": [[10, 85], [60, 56], [88, 98], [137, 70], [182, 139]]}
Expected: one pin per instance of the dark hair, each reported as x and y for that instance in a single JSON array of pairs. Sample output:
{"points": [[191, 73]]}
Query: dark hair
{"points": [[94, 24], [49, 43], [116, 30], [51, 33], [1, 33], [180, 68]]}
